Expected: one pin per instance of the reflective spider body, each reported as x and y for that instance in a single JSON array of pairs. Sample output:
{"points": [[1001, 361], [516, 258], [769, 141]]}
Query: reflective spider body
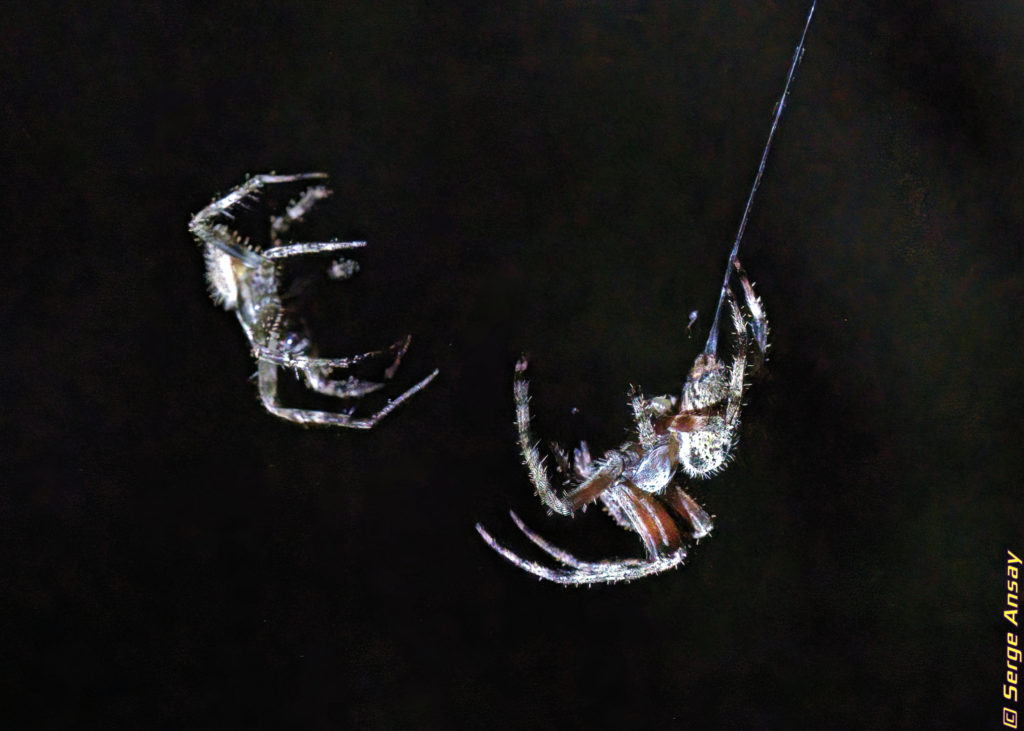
{"points": [[248, 280], [693, 434]]}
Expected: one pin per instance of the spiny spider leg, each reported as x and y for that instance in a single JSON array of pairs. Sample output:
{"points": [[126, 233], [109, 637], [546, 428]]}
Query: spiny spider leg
{"points": [[645, 516], [758, 318], [268, 394], [351, 387], [562, 464], [319, 247], [588, 491], [584, 572], [641, 416], [282, 357], [295, 210], [203, 227]]}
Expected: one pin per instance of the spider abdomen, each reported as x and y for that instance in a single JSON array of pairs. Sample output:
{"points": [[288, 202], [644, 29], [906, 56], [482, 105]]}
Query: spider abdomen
{"points": [[703, 452]]}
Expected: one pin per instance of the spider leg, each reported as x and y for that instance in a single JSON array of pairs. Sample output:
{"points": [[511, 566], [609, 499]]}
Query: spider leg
{"points": [[350, 387], [688, 508], [259, 180], [268, 394], [301, 361], [738, 369], [296, 209], [316, 377], [588, 491], [203, 225], [642, 417], [582, 463], [758, 318], [640, 512], [219, 236], [562, 464], [581, 572], [316, 247]]}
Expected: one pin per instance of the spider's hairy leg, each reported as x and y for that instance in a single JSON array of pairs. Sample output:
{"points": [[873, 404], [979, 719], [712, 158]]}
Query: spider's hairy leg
{"points": [[642, 417], [688, 508], [588, 491], [350, 387], [581, 572], [204, 227], [316, 376], [317, 247], [262, 179], [641, 513], [758, 318], [268, 394], [734, 398], [296, 209], [562, 464], [218, 236], [582, 462], [275, 353]]}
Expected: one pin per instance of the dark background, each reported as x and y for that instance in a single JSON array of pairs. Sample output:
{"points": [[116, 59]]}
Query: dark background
{"points": [[562, 178]]}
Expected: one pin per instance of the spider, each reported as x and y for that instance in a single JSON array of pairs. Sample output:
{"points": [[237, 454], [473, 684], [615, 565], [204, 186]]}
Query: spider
{"points": [[693, 433], [247, 280]]}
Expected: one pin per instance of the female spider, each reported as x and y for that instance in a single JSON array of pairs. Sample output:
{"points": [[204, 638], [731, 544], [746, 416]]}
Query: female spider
{"points": [[248, 281], [694, 433]]}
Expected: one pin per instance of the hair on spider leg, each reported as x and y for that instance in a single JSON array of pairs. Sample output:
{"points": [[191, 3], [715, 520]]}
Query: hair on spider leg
{"points": [[692, 435]]}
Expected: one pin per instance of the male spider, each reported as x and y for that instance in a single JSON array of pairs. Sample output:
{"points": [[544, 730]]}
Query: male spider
{"points": [[695, 432], [248, 280]]}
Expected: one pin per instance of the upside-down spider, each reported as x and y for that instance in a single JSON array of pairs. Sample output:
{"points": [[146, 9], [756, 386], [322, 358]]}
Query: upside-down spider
{"points": [[693, 433], [247, 280]]}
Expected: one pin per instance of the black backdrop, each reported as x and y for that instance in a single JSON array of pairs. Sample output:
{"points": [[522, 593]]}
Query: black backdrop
{"points": [[557, 177]]}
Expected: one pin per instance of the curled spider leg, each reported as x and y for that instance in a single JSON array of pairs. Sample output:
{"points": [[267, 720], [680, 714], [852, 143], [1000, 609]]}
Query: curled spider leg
{"points": [[267, 378], [219, 236], [350, 387], [295, 210], [588, 491], [581, 572], [316, 376]]}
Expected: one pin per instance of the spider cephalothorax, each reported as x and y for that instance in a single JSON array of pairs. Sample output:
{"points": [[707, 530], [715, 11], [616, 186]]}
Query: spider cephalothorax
{"points": [[247, 279]]}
